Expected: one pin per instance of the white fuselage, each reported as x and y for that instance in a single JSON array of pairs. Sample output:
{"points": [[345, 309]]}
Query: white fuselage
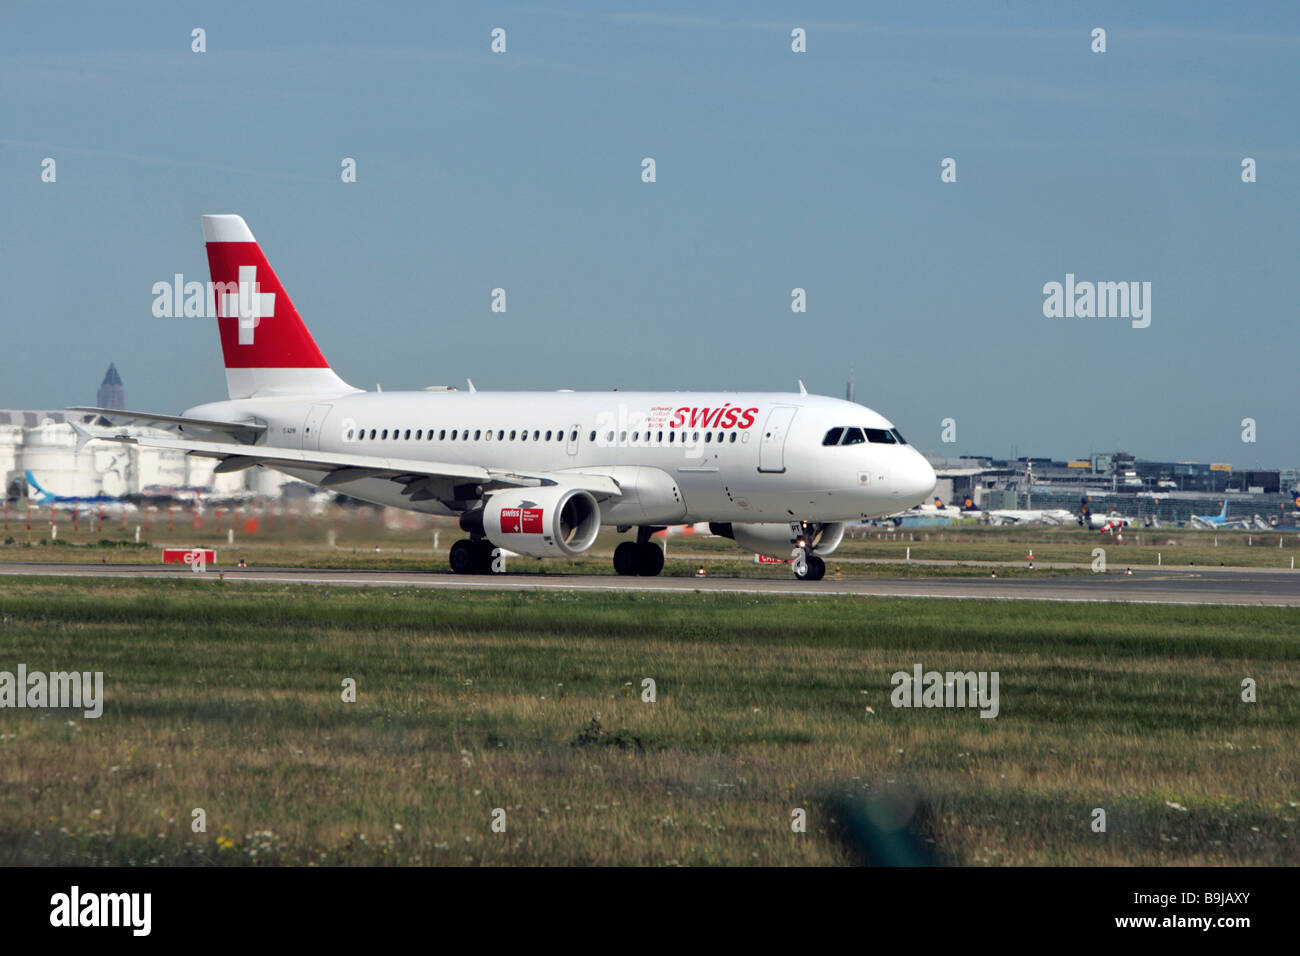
{"points": [[681, 456]]}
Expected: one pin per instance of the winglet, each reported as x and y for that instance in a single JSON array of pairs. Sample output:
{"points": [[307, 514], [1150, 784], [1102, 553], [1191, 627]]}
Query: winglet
{"points": [[84, 435], [802, 389]]}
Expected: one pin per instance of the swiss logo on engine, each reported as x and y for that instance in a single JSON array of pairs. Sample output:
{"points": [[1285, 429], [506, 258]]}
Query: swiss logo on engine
{"points": [[521, 520]]}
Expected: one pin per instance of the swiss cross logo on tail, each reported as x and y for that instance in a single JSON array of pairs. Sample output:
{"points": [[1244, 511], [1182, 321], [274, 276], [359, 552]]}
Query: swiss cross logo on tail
{"points": [[250, 305]]}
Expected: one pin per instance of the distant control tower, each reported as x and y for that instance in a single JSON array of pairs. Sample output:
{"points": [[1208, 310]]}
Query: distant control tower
{"points": [[111, 392]]}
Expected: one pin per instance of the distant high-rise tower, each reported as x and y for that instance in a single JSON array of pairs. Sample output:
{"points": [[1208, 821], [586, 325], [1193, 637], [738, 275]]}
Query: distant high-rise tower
{"points": [[848, 389], [111, 392]]}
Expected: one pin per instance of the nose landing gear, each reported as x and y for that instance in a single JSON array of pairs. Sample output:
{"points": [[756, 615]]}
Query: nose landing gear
{"points": [[808, 567]]}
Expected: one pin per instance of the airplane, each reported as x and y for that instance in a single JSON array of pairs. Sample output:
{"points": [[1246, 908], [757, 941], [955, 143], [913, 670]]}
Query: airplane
{"points": [[932, 515], [1052, 516], [48, 499], [1107, 522], [534, 473], [1221, 521]]}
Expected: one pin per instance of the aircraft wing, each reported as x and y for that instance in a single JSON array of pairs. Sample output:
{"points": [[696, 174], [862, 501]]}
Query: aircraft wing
{"points": [[239, 431], [423, 479]]}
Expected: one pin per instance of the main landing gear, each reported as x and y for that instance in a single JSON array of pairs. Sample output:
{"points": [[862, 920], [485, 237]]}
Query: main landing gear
{"points": [[472, 556], [640, 557]]}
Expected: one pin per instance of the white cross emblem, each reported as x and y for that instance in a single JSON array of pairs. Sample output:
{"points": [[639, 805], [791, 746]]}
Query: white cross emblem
{"points": [[250, 305]]}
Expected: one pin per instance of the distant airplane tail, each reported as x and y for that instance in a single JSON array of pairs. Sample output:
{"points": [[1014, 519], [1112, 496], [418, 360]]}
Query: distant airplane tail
{"points": [[1223, 512], [266, 345], [34, 490]]}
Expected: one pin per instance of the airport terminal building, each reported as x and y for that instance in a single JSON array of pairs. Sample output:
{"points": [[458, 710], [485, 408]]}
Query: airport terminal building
{"points": [[1166, 491]]}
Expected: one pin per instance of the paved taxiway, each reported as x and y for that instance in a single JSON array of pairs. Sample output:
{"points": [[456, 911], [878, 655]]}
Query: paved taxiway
{"points": [[1200, 586]]}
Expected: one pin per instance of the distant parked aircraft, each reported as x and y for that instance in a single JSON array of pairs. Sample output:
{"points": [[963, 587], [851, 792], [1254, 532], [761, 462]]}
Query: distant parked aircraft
{"points": [[1212, 521], [48, 499], [1053, 516]]}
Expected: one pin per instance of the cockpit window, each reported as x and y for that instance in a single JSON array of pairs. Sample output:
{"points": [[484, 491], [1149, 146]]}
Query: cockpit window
{"points": [[880, 437], [833, 436], [853, 436], [899, 435]]}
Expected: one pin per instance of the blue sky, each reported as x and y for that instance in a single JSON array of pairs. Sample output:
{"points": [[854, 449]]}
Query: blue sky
{"points": [[775, 170]]}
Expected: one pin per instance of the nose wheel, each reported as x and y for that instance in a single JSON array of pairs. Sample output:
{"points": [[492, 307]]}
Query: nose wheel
{"points": [[809, 567]]}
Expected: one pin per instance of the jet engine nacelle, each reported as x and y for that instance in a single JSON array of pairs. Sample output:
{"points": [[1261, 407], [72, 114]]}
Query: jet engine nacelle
{"points": [[778, 540], [552, 522]]}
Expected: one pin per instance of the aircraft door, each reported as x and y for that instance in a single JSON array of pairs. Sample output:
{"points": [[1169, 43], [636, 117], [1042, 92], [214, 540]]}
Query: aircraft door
{"points": [[311, 428], [771, 449]]}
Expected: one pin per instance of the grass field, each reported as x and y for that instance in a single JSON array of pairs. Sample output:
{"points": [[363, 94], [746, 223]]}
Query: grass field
{"points": [[228, 698]]}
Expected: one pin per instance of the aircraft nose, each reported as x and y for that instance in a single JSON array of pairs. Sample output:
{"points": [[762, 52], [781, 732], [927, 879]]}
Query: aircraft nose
{"points": [[916, 479]]}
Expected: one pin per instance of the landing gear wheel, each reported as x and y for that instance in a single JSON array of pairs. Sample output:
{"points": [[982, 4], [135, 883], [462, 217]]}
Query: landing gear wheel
{"points": [[650, 559], [627, 558], [813, 567], [462, 556], [471, 557]]}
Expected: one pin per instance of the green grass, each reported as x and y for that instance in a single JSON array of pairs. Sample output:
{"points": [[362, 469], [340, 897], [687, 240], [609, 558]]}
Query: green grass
{"points": [[227, 697]]}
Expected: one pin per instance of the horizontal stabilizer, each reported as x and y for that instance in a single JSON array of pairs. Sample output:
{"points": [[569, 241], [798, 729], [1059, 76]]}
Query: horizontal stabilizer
{"points": [[240, 431]]}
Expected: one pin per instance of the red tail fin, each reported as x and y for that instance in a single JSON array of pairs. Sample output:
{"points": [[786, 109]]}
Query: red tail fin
{"points": [[267, 348]]}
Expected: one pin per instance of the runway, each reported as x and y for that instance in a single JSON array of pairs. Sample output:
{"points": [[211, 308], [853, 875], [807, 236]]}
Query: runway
{"points": [[1221, 586]]}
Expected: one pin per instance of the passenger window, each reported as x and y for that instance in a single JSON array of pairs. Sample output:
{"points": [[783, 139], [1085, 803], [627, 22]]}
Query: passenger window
{"points": [[536, 434], [574, 435], [349, 434], [453, 434], [477, 433], [385, 434], [733, 438], [879, 436], [833, 436], [442, 435], [708, 437], [853, 436], [591, 437], [372, 434]]}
